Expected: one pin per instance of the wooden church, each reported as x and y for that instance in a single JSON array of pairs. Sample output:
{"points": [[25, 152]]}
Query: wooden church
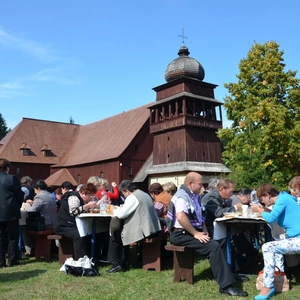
{"points": [[161, 141]]}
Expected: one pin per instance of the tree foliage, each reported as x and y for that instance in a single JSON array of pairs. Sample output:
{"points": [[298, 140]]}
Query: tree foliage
{"points": [[262, 143], [3, 128]]}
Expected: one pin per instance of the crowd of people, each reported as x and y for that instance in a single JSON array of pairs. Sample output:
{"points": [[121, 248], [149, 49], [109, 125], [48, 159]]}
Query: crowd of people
{"points": [[185, 215]]}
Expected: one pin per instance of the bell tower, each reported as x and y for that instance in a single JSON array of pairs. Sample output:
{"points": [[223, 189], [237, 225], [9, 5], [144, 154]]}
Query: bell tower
{"points": [[184, 120]]}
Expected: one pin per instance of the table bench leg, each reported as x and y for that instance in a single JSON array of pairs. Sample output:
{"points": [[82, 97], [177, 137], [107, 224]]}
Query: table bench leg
{"points": [[184, 266], [42, 247], [151, 254]]}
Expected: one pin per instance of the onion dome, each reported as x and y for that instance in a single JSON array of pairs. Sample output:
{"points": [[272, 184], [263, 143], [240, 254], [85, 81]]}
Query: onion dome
{"points": [[184, 66]]}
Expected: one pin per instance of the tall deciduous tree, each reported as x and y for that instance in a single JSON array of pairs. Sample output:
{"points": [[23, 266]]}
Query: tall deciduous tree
{"points": [[262, 144], [3, 127]]}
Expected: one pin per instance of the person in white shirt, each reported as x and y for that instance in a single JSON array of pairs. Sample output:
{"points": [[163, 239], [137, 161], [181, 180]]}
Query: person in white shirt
{"points": [[139, 221]]}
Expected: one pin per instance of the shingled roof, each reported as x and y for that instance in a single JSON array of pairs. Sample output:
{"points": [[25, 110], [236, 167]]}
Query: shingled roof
{"points": [[106, 139], [72, 144], [59, 177], [34, 134]]}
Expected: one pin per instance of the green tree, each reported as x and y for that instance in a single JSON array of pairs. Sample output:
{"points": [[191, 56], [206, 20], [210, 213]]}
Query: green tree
{"points": [[262, 143], [3, 128]]}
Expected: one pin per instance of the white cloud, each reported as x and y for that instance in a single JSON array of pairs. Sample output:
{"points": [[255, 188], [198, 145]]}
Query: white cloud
{"points": [[11, 89], [52, 75], [11, 86], [10, 94], [61, 73], [31, 48]]}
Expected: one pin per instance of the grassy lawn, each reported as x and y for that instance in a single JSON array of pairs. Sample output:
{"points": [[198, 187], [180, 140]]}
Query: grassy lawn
{"points": [[43, 280]]}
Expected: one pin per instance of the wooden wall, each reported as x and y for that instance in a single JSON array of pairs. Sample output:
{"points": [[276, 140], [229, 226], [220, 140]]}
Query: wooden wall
{"points": [[186, 144], [34, 171], [203, 145]]}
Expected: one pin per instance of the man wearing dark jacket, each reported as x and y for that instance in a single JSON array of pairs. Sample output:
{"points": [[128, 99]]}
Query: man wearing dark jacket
{"points": [[11, 199], [214, 203]]}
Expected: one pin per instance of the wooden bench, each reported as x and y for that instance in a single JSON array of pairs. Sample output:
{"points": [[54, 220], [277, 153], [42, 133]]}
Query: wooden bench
{"points": [[151, 253], [65, 247], [183, 263], [42, 244]]}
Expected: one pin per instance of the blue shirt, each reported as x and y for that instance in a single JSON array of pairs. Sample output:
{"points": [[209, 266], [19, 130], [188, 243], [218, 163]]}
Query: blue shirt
{"points": [[286, 212]]}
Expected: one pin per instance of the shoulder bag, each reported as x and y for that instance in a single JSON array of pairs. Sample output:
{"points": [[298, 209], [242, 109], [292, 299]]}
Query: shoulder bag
{"points": [[281, 283]]}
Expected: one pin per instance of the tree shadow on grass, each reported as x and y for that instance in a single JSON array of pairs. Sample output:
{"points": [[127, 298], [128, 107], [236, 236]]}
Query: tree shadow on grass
{"points": [[17, 275]]}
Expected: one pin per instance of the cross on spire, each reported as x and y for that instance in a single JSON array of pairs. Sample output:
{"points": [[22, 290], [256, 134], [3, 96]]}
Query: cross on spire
{"points": [[183, 37]]}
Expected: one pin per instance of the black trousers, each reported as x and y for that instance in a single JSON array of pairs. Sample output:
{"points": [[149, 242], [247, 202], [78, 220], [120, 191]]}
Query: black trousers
{"points": [[81, 245], [212, 251], [9, 238], [118, 254]]}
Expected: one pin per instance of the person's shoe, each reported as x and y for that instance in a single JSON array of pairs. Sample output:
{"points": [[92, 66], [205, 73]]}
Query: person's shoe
{"points": [[265, 297], [241, 278], [9, 264], [233, 291], [115, 269], [103, 258]]}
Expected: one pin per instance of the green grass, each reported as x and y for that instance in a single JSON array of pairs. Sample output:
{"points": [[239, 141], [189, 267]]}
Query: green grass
{"points": [[43, 280]]}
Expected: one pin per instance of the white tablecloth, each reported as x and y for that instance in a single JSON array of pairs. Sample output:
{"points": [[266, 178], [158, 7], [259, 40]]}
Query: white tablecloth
{"points": [[104, 223], [277, 233], [220, 226], [24, 215]]}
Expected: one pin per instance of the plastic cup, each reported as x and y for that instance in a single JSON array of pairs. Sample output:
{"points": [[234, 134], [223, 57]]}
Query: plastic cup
{"points": [[108, 208], [245, 210]]}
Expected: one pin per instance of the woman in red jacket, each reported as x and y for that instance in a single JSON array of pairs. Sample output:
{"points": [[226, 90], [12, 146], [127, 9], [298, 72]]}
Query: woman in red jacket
{"points": [[103, 189]]}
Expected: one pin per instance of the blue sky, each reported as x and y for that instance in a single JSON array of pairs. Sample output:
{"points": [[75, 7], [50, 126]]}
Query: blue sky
{"points": [[94, 59]]}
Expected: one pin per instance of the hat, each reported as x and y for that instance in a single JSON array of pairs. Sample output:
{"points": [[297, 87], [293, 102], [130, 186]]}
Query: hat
{"points": [[25, 190]]}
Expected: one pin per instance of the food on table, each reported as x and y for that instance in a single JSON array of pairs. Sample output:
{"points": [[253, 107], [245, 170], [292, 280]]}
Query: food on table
{"points": [[95, 210], [229, 215]]}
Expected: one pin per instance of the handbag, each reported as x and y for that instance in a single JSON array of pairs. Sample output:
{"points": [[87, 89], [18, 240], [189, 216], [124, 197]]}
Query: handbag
{"points": [[81, 271], [35, 221], [281, 283], [81, 267]]}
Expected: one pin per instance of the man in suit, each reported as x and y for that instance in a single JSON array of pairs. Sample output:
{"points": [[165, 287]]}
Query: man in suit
{"points": [[11, 199]]}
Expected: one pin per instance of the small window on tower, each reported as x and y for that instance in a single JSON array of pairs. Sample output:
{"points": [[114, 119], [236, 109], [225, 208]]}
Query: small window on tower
{"points": [[129, 171]]}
